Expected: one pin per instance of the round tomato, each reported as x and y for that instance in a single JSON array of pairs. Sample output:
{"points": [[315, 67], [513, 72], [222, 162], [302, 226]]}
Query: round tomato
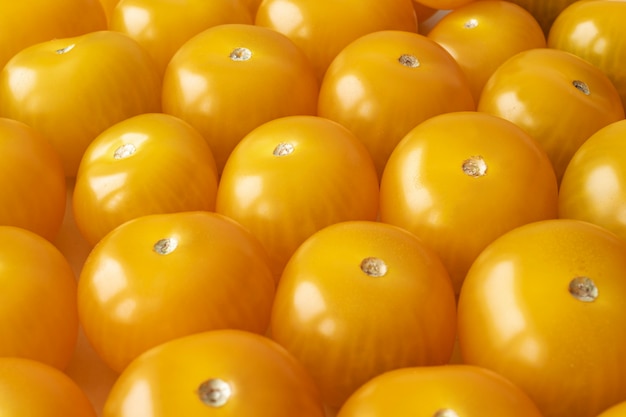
{"points": [[71, 89], [557, 97], [360, 298], [32, 388], [595, 31], [483, 34], [229, 373], [163, 26], [618, 410], [162, 276], [322, 28], [439, 391], [32, 180], [385, 83], [147, 164], [38, 318], [231, 78], [294, 175], [545, 11], [460, 180], [543, 306], [594, 184]]}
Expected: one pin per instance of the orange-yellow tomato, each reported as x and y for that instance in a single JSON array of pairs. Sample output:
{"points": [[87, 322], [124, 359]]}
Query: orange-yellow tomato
{"points": [[543, 306], [71, 89], [460, 180], [25, 23], [618, 410], [226, 373], [439, 391], [294, 175], [385, 83], [361, 298], [595, 31], [38, 317], [557, 97], [483, 34], [147, 164], [545, 11], [322, 28], [594, 185], [32, 180], [163, 26], [162, 276], [231, 78], [32, 388]]}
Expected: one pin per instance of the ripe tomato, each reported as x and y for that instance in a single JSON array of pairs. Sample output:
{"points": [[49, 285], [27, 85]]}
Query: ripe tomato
{"points": [[163, 26], [460, 180], [322, 28], [71, 89], [618, 410], [385, 83], [32, 180], [228, 373], [594, 30], [360, 298], [147, 164], [483, 34], [543, 306], [545, 11], [557, 97], [32, 388], [38, 318], [232, 78], [593, 184], [162, 276], [294, 175], [25, 23], [440, 391]]}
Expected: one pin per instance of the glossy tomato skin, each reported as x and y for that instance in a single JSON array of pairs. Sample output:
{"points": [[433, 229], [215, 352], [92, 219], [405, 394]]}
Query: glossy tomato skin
{"points": [[617, 410], [252, 376], [162, 276], [147, 164], [440, 391], [557, 97], [385, 83], [231, 78], [360, 298], [460, 180], [294, 175], [71, 89], [542, 306], [32, 388], [594, 30], [593, 184], [38, 317]]}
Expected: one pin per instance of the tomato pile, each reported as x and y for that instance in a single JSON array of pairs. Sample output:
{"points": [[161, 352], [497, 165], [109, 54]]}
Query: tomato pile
{"points": [[313, 208]]}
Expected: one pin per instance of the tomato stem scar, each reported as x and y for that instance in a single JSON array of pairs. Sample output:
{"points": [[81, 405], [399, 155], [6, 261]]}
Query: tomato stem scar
{"points": [[583, 289], [65, 50], [165, 246], [445, 412], [374, 267], [470, 24], [214, 392], [410, 61], [581, 86], [124, 151], [475, 166], [240, 54], [283, 149]]}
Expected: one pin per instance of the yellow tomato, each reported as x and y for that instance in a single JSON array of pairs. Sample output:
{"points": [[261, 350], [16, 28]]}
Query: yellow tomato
{"points": [[543, 306], [38, 318], [322, 28], [460, 180], [158, 277], [483, 34], [595, 31], [361, 298], [25, 23], [229, 79], [618, 410], [163, 26], [147, 164], [594, 184], [557, 97], [385, 83], [32, 180], [294, 175], [71, 89], [32, 388], [226, 373], [545, 11], [439, 391]]}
